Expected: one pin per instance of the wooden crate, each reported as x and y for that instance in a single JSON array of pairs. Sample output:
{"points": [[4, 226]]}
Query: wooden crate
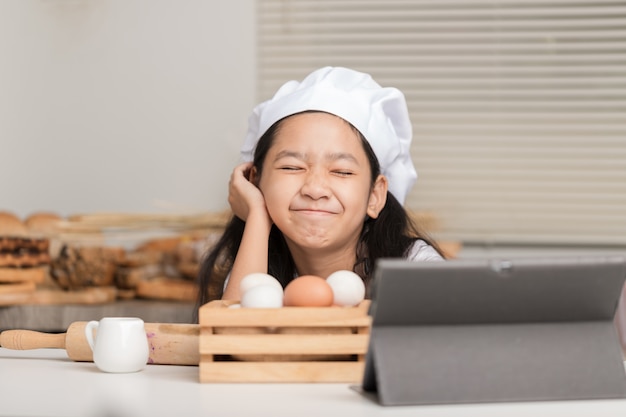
{"points": [[289, 344]]}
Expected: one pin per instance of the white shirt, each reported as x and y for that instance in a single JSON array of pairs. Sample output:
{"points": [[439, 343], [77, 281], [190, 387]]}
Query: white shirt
{"points": [[422, 251]]}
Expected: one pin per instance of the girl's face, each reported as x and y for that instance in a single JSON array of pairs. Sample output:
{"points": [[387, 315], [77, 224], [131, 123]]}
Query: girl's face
{"points": [[316, 181]]}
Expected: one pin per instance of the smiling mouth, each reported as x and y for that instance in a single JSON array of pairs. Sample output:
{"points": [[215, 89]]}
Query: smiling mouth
{"points": [[317, 212]]}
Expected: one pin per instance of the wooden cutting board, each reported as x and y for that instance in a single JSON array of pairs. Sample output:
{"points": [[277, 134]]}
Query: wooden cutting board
{"points": [[35, 274], [19, 287], [91, 295], [167, 289]]}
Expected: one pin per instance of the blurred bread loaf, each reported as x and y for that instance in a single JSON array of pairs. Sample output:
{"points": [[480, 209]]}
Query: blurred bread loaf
{"points": [[22, 258], [11, 225], [47, 225], [78, 267], [43, 223]]}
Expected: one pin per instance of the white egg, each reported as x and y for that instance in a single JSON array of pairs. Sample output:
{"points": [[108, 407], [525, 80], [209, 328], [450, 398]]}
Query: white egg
{"points": [[257, 278], [348, 288], [262, 296]]}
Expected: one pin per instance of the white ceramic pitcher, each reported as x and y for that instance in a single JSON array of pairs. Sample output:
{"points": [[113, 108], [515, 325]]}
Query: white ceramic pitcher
{"points": [[119, 345]]}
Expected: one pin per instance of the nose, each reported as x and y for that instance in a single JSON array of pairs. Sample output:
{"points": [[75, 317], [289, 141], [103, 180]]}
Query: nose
{"points": [[315, 185]]}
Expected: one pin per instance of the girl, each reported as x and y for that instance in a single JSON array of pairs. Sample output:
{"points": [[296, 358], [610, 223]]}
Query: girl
{"points": [[329, 168]]}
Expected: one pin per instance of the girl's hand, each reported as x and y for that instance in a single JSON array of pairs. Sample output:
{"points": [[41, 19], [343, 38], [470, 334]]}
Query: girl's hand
{"points": [[247, 203], [243, 196]]}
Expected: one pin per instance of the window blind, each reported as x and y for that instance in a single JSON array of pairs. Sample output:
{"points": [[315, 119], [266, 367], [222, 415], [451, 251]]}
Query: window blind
{"points": [[518, 106]]}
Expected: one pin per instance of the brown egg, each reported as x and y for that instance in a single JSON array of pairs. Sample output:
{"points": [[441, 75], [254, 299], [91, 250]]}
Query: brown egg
{"points": [[308, 291]]}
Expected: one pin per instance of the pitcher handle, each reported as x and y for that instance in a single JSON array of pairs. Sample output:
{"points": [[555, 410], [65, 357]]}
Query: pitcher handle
{"points": [[89, 329]]}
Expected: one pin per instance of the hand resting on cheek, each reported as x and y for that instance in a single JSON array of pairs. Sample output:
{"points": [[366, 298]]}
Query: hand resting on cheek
{"points": [[243, 196]]}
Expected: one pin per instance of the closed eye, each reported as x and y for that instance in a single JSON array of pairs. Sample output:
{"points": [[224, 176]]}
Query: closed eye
{"points": [[343, 173], [289, 168]]}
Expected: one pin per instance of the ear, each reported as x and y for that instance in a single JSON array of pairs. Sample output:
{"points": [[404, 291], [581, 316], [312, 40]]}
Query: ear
{"points": [[378, 197], [253, 176]]}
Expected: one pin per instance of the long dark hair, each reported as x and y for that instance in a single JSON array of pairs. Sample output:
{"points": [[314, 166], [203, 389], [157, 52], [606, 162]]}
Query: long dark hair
{"points": [[390, 235]]}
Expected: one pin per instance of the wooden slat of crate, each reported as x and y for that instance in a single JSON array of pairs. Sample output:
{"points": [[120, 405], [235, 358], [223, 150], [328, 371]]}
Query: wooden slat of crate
{"points": [[215, 314], [303, 344], [331, 371]]}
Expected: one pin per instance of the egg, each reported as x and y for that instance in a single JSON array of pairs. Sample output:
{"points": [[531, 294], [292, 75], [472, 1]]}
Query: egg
{"points": [[348, 288], [257, 278], [308, 291], [262, 296]]}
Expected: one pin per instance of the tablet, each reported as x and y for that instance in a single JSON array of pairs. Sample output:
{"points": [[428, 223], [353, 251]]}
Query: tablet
{"points": [[481, 330], [496, 290]]}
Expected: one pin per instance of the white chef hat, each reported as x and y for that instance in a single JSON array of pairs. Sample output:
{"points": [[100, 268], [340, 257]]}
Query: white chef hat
{"points": [[380, 114]]}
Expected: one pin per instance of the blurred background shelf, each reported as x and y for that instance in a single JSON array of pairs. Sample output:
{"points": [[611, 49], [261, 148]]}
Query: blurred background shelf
{"points": [[57, 318]]}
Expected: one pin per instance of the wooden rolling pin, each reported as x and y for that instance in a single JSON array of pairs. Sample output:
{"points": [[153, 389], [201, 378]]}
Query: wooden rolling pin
{"points": [[170, 343]]}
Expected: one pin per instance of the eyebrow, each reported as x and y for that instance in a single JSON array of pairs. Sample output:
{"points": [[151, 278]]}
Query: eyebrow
{"points": [[335, 156]]}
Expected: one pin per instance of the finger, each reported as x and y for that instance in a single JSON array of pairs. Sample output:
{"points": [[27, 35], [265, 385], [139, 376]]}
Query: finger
{"points": [[244, 166]]}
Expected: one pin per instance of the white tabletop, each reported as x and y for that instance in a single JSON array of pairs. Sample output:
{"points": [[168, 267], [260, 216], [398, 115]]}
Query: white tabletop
{"points": [[45, 382]]}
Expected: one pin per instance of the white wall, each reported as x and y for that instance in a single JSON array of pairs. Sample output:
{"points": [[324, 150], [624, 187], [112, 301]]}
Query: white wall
{"points": [[122, 105]]}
